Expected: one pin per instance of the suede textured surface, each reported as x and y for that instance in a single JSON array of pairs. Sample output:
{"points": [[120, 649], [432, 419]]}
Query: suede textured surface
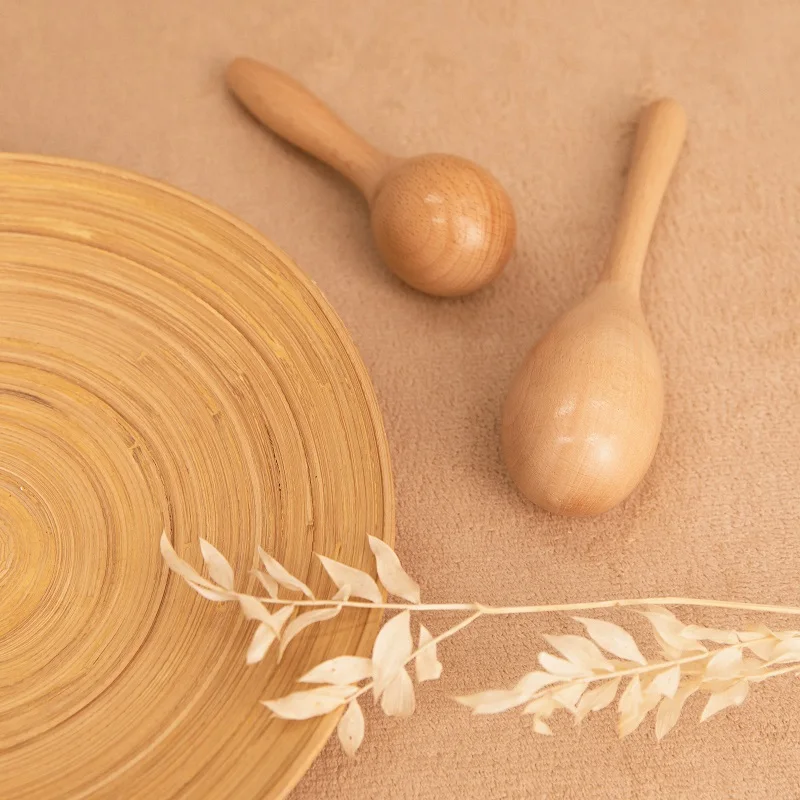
{"points": [[543, 93]]}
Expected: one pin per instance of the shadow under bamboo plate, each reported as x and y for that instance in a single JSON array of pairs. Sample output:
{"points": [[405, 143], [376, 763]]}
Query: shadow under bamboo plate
{"points": [[163, 366]]}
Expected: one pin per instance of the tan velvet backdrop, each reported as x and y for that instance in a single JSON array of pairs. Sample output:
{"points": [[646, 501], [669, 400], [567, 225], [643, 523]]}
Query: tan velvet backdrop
{"points": [[543, 93]]}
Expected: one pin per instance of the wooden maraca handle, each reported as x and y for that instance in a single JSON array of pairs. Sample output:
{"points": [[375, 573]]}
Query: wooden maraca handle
{"points": [[660, 136], [292, 112]]}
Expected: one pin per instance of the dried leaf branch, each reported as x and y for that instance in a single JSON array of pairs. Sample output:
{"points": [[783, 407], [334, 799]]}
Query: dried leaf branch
{"points": [[586, 674]]}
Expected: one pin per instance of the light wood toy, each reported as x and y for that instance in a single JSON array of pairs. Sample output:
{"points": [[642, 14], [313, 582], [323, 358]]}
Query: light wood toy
{"points": [[583, 415], [441, 223]]}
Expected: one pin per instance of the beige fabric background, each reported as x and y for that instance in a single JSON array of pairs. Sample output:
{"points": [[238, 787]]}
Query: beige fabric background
{"points": [[543, 94]]}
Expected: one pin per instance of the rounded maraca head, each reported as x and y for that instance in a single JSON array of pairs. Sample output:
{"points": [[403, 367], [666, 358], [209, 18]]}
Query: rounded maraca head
{"points": [[583, 417], [443, 224]]}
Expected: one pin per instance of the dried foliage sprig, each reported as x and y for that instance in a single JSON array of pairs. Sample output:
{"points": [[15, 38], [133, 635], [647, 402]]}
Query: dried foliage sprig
{"points": [[585, 677]]}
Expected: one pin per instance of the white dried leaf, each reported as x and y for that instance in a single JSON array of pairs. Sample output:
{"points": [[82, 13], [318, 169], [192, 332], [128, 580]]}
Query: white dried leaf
{"points": [[672, 653], [628, 723], [699, 632], [282, 575], [716, 686], [393, 647], [786, 651], [561, 667], [581, 651], [762, 631], [666, 682], [252, 608], [725, 663], [763, 649], [279, 618], [749, 636], [531, 683], [266, 633], [669, 632], [631, 699], [268, 582], [301, 622], [762, 641], [542, 706], [733, 696], [391, 574], [613, 639], [752, 666], [343, 594], [397, 699], [428, 667], [493, 701], [215, 595], [311, 703], [670, 709], [540, 726], [361, 584], [351, 728], [390, 652], [340, 671], [569, 695], [666, 614], [181, 567], [219, 569], [598, 697], [262, 640]]}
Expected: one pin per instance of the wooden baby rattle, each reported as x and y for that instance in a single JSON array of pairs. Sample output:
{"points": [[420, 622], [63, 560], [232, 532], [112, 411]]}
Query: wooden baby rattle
{"points": [[583, 416], [442, 224]]}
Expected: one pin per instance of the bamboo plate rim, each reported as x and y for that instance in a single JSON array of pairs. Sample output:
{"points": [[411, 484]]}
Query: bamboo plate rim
{"points": [[332, 334]]}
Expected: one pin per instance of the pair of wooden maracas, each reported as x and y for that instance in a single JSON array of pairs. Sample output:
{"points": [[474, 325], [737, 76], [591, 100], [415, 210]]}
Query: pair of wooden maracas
{"points": [[583, 416]]}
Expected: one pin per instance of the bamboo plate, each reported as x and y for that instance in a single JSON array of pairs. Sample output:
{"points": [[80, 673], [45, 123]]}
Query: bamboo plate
{"points": [[163, 366]]}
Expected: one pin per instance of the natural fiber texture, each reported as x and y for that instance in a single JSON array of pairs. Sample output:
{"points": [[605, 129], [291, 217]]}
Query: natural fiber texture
{"points": [[162, 366], [545, 94]]}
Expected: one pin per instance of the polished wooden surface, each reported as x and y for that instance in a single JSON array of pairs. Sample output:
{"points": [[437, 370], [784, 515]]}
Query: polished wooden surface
{"points": [[162, 366], [442, 224], [583, 415]]}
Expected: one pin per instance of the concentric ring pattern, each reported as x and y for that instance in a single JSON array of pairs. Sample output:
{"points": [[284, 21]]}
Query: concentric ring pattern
{"points": [[162, 366]]}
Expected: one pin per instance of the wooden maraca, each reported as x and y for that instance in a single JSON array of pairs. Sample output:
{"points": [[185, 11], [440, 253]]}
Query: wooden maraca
{"points": [[442, 224], [583, 416]]}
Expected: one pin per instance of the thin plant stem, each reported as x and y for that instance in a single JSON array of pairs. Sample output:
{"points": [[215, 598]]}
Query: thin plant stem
{"points": [[459, 626], [543, 609], [773, 673]]}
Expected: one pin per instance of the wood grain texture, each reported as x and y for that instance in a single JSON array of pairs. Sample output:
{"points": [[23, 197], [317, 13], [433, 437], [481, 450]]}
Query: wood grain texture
{"points": [[583, 415], [288, 109], [162, 366], [441, 223]]}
